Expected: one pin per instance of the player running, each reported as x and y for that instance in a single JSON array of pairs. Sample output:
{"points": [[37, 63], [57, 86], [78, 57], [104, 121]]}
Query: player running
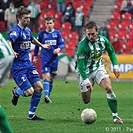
{"points": [[49, 57], [90, 67], [23, 71]]}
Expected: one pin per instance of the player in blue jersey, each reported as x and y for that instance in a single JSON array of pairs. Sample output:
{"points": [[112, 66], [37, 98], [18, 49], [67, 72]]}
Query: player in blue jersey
{"points": [[23, 71], [49, 57]]}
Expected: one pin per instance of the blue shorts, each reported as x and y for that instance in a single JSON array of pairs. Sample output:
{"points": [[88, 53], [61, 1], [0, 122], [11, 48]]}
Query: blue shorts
{"points": [[49, 67], [25, 78]]}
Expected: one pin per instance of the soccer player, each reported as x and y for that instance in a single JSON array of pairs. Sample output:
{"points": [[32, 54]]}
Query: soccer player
{"points": [[6, 58], [49, 57], [90, 68], [23, 71]]}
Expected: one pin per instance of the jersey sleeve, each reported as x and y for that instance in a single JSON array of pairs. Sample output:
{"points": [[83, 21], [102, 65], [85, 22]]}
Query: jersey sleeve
{"points": [[13, 35], [81, 63], [36, 49], [60, 41], [111, 52]]}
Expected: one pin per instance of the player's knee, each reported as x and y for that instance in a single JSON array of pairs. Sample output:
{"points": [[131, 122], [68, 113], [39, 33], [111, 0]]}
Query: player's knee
{"points": [[29, 92], [108, 89], [39, 88], [46, 77]]}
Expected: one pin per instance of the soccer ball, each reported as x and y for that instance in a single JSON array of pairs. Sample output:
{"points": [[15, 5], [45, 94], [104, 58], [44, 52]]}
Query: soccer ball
{"points": [[88, 116]]}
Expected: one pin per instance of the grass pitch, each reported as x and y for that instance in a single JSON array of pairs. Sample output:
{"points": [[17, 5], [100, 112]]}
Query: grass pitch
{"points": [[63, 115]]}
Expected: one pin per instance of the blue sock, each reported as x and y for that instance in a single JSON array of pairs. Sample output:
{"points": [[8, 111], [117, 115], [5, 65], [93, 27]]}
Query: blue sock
{"points": [[50, 87], [20, 92], [46, 87], [34, 103]]}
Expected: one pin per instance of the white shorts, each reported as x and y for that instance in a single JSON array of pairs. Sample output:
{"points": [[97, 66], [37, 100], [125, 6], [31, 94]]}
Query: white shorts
{"points": [[95, 76], [5, 66]]}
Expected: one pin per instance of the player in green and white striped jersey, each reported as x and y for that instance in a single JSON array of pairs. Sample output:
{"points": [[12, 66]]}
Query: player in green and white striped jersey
{"points": [[90, 68], [6, 58]]}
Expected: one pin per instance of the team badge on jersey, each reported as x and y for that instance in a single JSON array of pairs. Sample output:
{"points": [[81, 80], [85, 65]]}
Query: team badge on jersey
{"points": [[54, 35], [45, 36], [34, 72], [13, 33]]}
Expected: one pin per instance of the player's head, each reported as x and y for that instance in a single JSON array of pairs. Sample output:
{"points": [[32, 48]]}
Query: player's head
{"points": [[49, 21], [91, 30], [23, 16]]}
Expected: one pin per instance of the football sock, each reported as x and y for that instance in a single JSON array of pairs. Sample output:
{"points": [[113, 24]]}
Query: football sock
{"points": [[112, 102], [46, 87], [19, 92], [34, 103], [50, 87], [4, 124]]}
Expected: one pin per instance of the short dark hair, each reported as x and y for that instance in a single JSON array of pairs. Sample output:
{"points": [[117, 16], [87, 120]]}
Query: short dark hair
{"points": [[49, 18], [91, 25], [21, 11]]}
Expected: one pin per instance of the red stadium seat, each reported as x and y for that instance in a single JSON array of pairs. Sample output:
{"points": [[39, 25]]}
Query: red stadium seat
{"points": [[74, 37], [121, 36], [123, 25], [58, 15], [57, 25], [70, 52], [123, 31], [66, 25], [77, 4], [43, 5], [72, 44], [48, 14], [112, 25], [112, 32], [116, 15], [129, 47]]}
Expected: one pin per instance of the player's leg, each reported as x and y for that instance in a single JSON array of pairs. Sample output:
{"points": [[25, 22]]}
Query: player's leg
{"points": [[34, 79], [53, 74], [4, 124], [35, 99], [46, 86], [24, 86], [85, 92], [102, 78]]}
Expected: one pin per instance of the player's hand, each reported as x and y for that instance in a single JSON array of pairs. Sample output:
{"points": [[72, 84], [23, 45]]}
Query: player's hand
{"points": [[56, 51], [15, 54], [89, 86], [46, 46], [35, 60], [117, 73]]}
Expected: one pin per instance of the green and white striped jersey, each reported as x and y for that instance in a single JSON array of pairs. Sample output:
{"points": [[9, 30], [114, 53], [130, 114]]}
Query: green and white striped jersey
{"points": [[89, 55], [4, 47]]}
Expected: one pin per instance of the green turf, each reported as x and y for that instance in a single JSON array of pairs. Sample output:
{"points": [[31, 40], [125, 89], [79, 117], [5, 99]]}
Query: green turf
{"points": [[63, 115]]}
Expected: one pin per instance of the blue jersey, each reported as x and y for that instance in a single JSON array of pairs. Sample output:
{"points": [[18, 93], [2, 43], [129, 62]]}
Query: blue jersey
{"points": [[54, 39], [21, 43], [49, 60]]}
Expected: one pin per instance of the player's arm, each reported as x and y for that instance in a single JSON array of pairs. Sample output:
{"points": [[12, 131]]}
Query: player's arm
{"points": [[10, 44], [36, 42], [61, 44], [112, 55], [81, 64]]}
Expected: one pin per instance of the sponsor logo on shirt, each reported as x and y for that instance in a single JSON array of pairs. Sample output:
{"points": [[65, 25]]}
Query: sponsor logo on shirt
{"points": [[50, 42], [25, 45]]}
